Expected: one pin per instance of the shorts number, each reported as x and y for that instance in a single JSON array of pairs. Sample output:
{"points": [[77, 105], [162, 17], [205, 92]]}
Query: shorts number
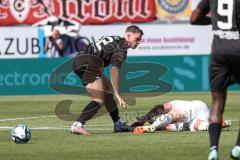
{"points": [[103, 41], [225, 8]]}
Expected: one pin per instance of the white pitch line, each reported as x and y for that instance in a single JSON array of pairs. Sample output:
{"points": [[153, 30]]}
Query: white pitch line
{"points": [[54, 116], [24, 118], [51, 116], [55, 128]]}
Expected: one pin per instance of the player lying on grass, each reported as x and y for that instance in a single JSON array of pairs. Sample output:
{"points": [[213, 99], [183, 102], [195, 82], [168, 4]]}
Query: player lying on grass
{"points": [[177, 115]]}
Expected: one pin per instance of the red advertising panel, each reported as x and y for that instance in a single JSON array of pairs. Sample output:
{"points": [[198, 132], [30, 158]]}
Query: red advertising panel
{"points": [[15, 12]]}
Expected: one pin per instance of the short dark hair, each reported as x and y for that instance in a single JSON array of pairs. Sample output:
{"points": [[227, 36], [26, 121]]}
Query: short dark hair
{"points": [[134, 29]]}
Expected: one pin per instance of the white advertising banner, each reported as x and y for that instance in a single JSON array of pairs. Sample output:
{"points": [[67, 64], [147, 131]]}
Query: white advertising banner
{"points": [[19, 42], [160, 39]]}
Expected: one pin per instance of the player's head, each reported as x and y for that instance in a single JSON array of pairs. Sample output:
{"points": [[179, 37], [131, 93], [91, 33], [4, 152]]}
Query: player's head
{"points": [[133, 36]]}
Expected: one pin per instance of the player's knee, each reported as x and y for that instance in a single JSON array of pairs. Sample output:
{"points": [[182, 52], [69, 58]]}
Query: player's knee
{"points": [[99, 100], [108, 88]]}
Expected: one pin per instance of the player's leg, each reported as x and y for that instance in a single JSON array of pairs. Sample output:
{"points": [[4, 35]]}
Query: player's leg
{"points": [[95, 91], [174, 115], [203, 125], [199, 125], [160, 122], [214, 129], [89, 69], [155, 111], [220, 78], [235, 152], [201, 122], [112, 108]]}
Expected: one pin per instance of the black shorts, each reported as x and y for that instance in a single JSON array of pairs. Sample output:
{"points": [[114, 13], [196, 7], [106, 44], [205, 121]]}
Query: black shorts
{"points": [[88, 67], [224, 70]]}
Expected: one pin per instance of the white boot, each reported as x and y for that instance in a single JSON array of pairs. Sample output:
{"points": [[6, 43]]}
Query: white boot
{"points": [[213, 155], [77, 128], [235, 153]]}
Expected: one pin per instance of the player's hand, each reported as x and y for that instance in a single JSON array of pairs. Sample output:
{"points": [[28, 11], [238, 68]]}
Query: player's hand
{"points": [[121, 101]]}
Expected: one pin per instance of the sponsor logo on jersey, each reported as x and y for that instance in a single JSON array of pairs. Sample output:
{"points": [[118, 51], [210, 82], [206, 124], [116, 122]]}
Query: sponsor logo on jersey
{"points": [[229, 35]]}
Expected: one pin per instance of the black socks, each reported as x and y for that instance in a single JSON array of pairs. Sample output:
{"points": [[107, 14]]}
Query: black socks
{"points": [[88, 112], [238, 139], [214, 134]]}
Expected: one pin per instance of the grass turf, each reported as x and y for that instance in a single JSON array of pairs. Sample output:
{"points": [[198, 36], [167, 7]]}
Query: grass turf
{"points": [[59, 144]]}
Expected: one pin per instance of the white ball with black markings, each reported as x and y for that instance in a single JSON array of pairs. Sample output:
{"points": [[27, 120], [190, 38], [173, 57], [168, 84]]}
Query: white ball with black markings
{"points": [[21, 134]]}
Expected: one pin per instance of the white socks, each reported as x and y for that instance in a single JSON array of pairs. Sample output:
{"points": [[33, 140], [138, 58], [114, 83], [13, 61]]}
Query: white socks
{"points": [[77, 124], [162, 121]]}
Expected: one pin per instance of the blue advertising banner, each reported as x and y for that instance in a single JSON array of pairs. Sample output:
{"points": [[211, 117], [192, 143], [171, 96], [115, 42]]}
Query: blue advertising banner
{"points": [[139, 74]]}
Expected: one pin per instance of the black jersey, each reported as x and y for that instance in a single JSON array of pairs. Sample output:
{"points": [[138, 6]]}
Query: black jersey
{"points": [[225, 17], [112, 50]]}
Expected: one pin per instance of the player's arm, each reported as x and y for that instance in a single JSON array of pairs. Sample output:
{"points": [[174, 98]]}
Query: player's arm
{"points": [[198, 18], [116, 63], [199, 15], [115, 80], [115, 76]]}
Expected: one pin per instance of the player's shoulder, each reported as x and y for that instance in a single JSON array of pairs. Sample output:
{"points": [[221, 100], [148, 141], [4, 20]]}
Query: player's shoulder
{"points": [[113, 38], [118, 39]]}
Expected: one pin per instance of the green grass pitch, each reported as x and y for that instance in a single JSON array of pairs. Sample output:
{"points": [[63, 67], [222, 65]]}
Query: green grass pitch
{"points": [[51, 138]]}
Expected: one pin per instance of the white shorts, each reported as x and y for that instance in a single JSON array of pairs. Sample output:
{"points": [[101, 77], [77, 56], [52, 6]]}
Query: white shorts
{"points": [[202, 114]]}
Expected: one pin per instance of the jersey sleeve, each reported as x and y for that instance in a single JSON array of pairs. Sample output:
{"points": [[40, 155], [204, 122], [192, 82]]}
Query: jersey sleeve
{"points": [[118, 58], [204, 6]]}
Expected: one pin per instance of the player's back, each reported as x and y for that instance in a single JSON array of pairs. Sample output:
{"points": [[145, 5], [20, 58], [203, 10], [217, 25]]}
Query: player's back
{"points": [[107, 47], [191, 108], [225, 17], [182, 105]]}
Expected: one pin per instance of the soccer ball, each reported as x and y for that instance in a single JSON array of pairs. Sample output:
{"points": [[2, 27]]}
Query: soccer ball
{"points": [[20, 134]]}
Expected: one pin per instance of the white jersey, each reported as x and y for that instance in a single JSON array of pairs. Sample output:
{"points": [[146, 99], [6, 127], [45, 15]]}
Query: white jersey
{"points": [[193, 110]]}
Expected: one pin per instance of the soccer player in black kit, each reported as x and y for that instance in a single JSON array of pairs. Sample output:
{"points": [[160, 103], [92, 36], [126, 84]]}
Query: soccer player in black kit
{"points": [[225, 61], [89, 66]]}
